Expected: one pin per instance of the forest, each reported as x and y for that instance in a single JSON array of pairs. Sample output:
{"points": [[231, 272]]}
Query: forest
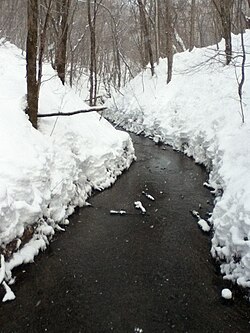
{"points": [[109, 42]]}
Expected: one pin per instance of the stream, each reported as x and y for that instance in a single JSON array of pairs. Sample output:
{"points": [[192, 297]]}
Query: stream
{"points": [[145, 273]]}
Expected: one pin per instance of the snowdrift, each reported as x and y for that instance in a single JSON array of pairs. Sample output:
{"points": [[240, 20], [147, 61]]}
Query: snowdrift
{"points": [[45, 174], [198, 113]]}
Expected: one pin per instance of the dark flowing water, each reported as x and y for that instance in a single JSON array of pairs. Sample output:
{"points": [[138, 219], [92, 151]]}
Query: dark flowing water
{"points": [[134, 273]]}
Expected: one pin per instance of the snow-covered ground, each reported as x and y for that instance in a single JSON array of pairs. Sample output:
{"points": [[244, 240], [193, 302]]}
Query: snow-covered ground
{"points": [[199, 113], [45, 174]]}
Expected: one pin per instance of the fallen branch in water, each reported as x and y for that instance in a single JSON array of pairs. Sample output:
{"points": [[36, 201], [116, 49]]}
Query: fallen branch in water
{"points": [[101, 108]]}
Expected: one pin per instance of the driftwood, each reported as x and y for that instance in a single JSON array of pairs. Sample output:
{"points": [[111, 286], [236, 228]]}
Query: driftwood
{"points": [[101, 108]]}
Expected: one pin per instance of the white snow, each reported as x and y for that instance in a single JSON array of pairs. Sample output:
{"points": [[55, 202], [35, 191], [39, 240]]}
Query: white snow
{"points": [[45, 174], [198, 113], [201, 222], [195, 213], [204, 225], [226, 293], [2, 269], [120, 212], [9, 296], [139, 205], [149, 196], [138, 330]]}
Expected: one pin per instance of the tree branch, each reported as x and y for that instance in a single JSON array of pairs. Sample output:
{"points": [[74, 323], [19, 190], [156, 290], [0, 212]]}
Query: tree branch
{"points": [[242, 76], [56, 114]]}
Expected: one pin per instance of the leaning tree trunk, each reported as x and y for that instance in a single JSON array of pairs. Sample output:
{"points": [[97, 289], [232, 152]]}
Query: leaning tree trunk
{"points": [[31, 58]]}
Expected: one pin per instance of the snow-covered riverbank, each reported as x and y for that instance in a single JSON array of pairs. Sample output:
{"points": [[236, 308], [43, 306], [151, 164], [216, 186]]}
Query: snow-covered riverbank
{"points": [[199, 113], [45, 174]]}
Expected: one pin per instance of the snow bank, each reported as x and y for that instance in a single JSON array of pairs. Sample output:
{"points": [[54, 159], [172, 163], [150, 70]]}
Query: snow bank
{"points": [[199, 113], [45, 174]]}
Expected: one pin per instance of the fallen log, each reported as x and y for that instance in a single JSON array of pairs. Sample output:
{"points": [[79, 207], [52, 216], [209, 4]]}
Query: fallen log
{"points": [[55, 114]]}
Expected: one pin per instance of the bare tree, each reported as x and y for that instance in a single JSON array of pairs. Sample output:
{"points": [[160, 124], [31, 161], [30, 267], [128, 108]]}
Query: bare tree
{"points": [[146, 36], [92, 68], [43, 33], [31, 58], [169, 37], [224, 8], [242, 79], [157, 32], [192, 25], [123, 36], [62, 8]]}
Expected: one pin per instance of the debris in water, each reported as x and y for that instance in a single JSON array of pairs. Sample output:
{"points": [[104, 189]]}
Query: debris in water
{"points": [[120, 212], [195, 213], [138, 330], [226, 293], [204, 225], [139, 205], [201, 222], [150, 197], [208, 186]]}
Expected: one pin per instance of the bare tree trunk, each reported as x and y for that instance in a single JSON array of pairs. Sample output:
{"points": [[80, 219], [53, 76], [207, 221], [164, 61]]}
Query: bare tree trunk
{"points": [[169, 37], [192, 26], [31, 58], [117, 57], [92, 67], [95, 73], [147, 39], [226, 23], [118, 63], [224, 10], [157, 28], [72, 53], [42, 45], [61, 51]]}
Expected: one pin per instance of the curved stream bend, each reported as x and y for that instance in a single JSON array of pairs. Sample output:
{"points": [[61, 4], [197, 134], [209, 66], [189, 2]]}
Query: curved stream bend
{"points": [[133, 273]]}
